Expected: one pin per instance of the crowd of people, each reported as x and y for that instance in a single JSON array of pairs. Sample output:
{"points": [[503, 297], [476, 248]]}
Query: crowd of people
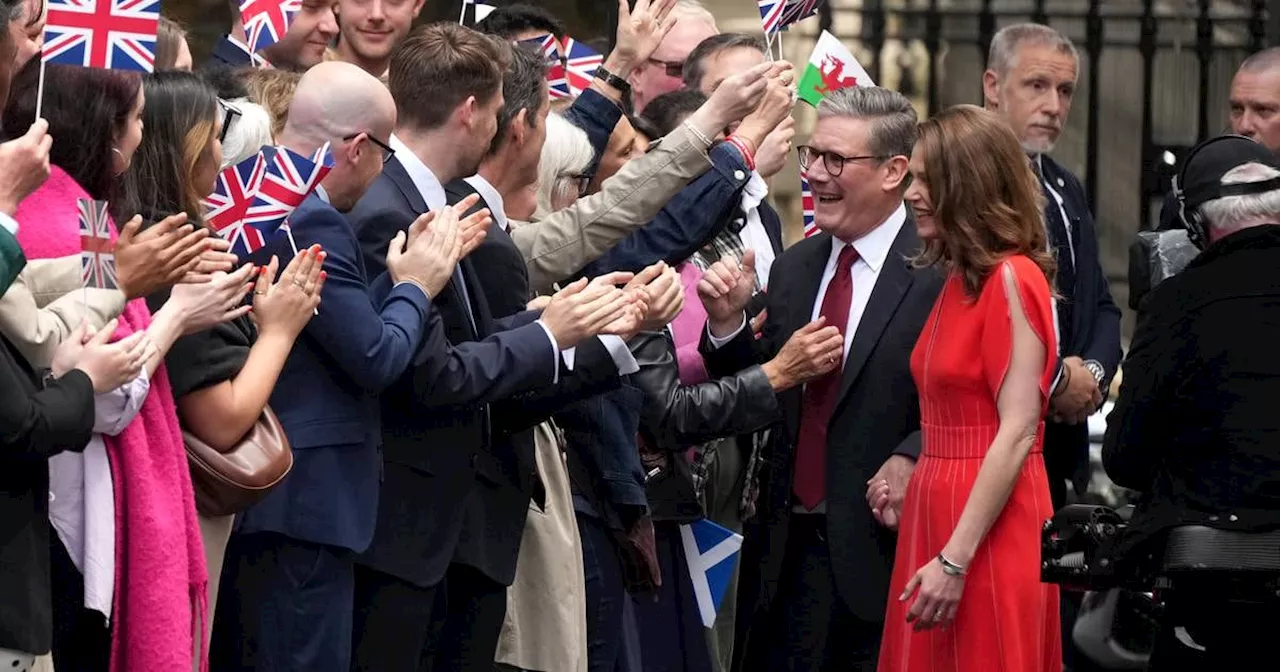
{"points": [[517, 345]]}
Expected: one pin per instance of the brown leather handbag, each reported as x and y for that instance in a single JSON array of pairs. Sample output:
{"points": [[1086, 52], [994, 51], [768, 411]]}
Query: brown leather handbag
{"points": [[230, 482]]}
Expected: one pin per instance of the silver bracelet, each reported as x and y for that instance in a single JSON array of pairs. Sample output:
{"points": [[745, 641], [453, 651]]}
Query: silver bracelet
{"points": [[950, 568]]}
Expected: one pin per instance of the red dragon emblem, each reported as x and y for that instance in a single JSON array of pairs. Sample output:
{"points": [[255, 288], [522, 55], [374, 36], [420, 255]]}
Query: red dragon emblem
{"points": [[832, 71]]}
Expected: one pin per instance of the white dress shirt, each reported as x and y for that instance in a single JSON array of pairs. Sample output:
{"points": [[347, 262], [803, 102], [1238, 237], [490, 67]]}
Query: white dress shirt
{"points": [[754, 236], [1062, 208], [10, 224], [493, 199], [873, 250]]}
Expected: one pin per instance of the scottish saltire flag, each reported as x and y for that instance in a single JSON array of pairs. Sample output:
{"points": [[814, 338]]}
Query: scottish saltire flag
{"points": [[287, 179], [119, 34], [549, 47], [266, 21], [226, 207], [581, 63], [806, 204], [97, 251], [777, 15], [711, 552]]}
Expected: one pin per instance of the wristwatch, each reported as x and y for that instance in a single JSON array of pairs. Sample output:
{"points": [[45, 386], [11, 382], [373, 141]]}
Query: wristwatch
{"points": [[612, 80], [1096, 369]]}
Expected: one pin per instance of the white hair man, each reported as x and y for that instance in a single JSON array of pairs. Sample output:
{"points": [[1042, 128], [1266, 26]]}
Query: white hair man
{"points": [[1195, 427], [663, 71]]}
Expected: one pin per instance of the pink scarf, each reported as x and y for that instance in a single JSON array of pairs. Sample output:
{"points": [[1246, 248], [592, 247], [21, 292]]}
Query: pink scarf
{"points": [[161, 580], [686, 329]]}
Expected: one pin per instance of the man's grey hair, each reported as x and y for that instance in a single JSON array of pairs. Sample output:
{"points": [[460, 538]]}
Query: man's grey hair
{"points": [[893, 127], [693, 10], [1003, 55], [524, 87], [695, 64], [1232, 213]]}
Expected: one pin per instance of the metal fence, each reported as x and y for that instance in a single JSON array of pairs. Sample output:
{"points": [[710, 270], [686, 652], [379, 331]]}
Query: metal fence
{"points": [[1154, 78]]}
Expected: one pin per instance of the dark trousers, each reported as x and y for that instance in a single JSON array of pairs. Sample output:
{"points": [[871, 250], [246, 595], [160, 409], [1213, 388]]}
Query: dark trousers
{"points": [[672, 638], [809, 628], [400, 627], [284, 605], [607, 624], [1215, 634], [81, 638]]}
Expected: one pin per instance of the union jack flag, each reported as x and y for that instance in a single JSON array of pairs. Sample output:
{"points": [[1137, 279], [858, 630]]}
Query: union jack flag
{"points": [[581, 65], [777, 15], [806, 204], [287, 180], [266, 21], [226, 207], [549, 47], [119, 34], [97, 250]]}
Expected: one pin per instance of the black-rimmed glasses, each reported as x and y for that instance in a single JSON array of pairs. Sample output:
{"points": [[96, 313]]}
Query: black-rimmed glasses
{"points": [[387, 150], [833, 162], [229, 114]]}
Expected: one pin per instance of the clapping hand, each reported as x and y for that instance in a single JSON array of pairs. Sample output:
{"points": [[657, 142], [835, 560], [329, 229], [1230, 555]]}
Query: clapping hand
{"points": [[285, 307], [201, 305], [582, 310], [664, 294], [168, 252], [108, 365]]}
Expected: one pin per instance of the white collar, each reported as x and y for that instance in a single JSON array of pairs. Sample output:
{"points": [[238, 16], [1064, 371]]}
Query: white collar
{"points": [[874, 247], [754, 193], [492, 198], [426, 181]]}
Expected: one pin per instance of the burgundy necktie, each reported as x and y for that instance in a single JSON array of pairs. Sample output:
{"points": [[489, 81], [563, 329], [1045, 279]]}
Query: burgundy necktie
{"points": [[820, 393]]}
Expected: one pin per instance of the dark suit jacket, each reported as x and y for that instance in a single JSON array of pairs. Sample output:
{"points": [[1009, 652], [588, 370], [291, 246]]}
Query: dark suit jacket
{"points": [[441, 437], [877, 415], [1095, 329], [1195, 425], [34, 426], [327, 393]]}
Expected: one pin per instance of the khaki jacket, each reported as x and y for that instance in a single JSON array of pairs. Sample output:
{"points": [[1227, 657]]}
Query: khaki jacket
{"points": [[559, 245], [46, 303]]}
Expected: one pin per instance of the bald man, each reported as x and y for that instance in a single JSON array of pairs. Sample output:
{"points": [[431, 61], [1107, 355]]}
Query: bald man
{"points": [[289, 567], [1255, 113]]}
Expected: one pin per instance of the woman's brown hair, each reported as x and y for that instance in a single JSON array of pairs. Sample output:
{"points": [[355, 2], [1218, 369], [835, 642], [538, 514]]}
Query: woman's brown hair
{"points": [[986, 199]]}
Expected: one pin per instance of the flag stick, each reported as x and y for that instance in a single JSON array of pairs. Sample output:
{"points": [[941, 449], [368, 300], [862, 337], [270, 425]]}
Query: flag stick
{"points": [[40, 88], [288, 230], [462, 16], [781, 55]]}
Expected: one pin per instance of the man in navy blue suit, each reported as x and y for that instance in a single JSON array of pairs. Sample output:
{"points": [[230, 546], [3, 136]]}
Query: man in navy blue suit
{"points": [[291, 564], [447, 423]]}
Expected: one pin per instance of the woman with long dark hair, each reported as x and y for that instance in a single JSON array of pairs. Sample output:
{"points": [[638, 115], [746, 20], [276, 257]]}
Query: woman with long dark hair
{"points": [[221, 377], [966, 591], [119, 512]]}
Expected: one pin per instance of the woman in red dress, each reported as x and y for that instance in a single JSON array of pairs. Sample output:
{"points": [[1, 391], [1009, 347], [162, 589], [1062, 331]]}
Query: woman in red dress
{"points": [[966, 592]]}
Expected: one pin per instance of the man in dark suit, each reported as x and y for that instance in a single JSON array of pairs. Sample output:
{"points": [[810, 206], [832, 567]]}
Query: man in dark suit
{"points": [[815, 571], [444, 441], [292, 560], [1030, 81]]}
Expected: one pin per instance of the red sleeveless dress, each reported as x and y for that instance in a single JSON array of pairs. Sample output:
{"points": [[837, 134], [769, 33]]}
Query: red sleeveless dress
{"points": [[1007, 619]]}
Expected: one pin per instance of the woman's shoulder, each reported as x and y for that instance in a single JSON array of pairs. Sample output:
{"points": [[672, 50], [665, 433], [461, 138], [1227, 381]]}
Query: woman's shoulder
{"points": [[1016, 271]]}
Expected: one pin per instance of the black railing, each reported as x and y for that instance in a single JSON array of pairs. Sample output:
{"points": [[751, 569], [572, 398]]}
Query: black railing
{"points": [[1239, 27]]}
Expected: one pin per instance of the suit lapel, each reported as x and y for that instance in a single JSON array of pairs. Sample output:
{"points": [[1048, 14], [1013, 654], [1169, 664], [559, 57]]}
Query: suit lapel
{"points": [[394, 170], [891, 286], [807, 280]]}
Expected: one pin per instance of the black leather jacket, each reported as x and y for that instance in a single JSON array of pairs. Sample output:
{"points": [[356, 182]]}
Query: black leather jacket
{"points": [[676, 416]]}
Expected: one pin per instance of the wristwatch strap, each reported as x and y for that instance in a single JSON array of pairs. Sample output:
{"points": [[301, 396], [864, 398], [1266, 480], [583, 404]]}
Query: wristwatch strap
{"points": [[612, 79]]}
